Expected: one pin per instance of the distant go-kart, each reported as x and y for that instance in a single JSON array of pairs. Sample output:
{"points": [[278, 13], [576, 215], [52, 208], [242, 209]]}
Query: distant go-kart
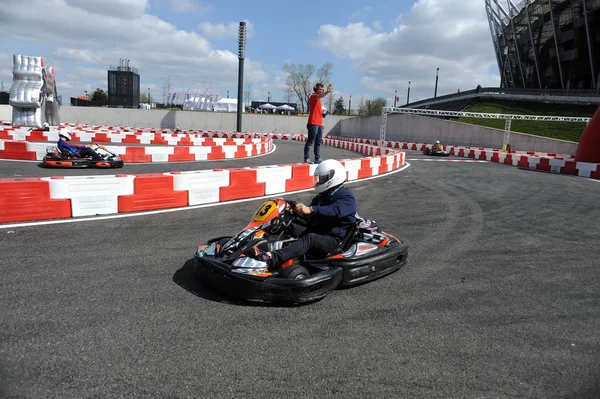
{"points": [[366, 253], [438, 152], [56, 158]]}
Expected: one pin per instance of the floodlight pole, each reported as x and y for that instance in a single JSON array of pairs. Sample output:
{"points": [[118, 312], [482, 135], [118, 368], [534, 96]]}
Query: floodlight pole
{"points": [[241, 57], [437, 75], [349, 104], [408, 94]]}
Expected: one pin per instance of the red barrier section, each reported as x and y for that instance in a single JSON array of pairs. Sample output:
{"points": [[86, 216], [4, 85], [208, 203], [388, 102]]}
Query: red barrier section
{"points": [[242, 184], [181, 154], [158, 139], [216, 153], [495, 157], [131, 139], [29, 199], [152, 191], [17, 150], [185, 140], [365, 169], [588, 149], [36, 135], [570, 168], [523, 161], [101, 138], [383, 166], [544, 165], [136, 154], [241, 152]]}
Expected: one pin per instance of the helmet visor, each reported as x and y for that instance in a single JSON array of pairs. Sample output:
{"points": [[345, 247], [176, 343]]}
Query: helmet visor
{"points": [[324, 178]]}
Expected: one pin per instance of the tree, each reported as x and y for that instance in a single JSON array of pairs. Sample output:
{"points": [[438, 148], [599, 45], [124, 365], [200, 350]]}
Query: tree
{"points": [[247, 95], [99, 96], [330, 99], [288, 92], [166, 88], [143, 97], [371, 107], [301, 81], [338, 106]]}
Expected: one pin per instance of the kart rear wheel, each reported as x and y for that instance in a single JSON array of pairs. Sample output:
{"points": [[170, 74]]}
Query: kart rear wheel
{"points": [[294, 272]]}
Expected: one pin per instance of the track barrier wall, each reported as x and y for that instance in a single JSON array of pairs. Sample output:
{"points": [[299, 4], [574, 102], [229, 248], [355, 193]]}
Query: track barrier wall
{"points": [[75, 196], [548, 162]]}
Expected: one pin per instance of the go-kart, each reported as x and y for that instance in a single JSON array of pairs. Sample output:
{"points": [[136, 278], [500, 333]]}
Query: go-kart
{"points": [[55, 158], [365, 254], [438, 152]]}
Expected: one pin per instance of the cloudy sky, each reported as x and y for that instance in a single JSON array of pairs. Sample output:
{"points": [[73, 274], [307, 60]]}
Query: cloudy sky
{"points": [[375, 49]]}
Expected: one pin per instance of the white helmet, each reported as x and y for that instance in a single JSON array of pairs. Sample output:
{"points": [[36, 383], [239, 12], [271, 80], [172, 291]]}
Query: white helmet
{"points": [[437, 141], [329, 174], [46, 124], [65, 133]]}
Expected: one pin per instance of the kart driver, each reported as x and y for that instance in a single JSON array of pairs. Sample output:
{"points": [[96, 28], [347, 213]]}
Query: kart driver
{"points": [[330, 215], [76, 150], [436, 146]]}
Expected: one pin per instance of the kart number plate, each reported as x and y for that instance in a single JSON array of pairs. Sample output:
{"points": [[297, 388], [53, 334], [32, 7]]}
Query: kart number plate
{"points": [[265, 211]]}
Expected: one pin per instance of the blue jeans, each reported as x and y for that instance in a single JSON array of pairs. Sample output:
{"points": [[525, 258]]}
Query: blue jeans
{"points": [[315, 134]]}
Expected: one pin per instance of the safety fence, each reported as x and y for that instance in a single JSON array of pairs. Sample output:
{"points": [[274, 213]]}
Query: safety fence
{"points": [[548, 162], [27, 199]]}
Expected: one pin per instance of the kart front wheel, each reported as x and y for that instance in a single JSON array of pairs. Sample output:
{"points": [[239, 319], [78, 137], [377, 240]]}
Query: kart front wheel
{"points": [[294, 272]]}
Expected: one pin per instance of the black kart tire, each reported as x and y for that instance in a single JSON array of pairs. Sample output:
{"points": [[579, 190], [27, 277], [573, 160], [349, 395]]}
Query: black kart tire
{"points": [[294, 272]]}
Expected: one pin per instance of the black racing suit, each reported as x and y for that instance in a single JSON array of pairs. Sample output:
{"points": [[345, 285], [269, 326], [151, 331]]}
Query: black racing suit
{"points": [[332, 216]]}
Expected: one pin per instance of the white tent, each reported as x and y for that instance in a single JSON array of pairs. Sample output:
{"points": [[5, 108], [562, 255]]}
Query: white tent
{"points": [[285, 107], [267, 106], [226, 105]]}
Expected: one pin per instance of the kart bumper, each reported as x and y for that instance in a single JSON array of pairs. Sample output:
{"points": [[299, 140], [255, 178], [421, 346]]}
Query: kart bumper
{"points": [[81, 163], [367, 268], [271, 289]]}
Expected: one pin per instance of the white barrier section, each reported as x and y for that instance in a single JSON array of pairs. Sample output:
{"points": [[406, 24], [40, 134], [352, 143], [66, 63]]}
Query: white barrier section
{"points": [[170, 139], [39, 149], [352, 167], [160, 154], [556, 164], [586, 168], [145, 138], [533, 162], [20, 135], [229, 151], [274, 177], [389, 161], [91, 195], [84, 137], [248, 149], [203, 186], [374, 164], [200, 153]]}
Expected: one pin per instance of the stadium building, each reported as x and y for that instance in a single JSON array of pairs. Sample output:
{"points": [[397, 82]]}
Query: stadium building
{"points": [[546, 44]]}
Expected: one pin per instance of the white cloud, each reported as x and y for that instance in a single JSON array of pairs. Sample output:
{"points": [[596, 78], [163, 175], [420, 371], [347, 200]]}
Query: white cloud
{"points": [[223, 31], [362, 11], [122, 9], [452, 35], [81, 51]]}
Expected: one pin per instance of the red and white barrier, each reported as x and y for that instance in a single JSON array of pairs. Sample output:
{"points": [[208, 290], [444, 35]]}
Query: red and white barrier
{"points": [[62, 197], [549, 162]]}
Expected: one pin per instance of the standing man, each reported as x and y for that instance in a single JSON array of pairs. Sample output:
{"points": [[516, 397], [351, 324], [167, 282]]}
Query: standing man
{"points": [[315, 122]]}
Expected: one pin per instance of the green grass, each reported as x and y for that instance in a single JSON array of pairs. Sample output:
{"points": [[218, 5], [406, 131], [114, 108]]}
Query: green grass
{"points": [[570, 131]]}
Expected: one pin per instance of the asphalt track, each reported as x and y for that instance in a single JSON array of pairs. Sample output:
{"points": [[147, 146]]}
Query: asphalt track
{"points": [[500, 298]]}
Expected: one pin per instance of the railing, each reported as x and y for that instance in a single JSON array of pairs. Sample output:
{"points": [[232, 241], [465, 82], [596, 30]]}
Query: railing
{"points": [[512, 91]]}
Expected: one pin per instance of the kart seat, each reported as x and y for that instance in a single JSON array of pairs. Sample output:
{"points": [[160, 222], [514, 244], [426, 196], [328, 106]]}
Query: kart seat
{"points": [[345, 243]]}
